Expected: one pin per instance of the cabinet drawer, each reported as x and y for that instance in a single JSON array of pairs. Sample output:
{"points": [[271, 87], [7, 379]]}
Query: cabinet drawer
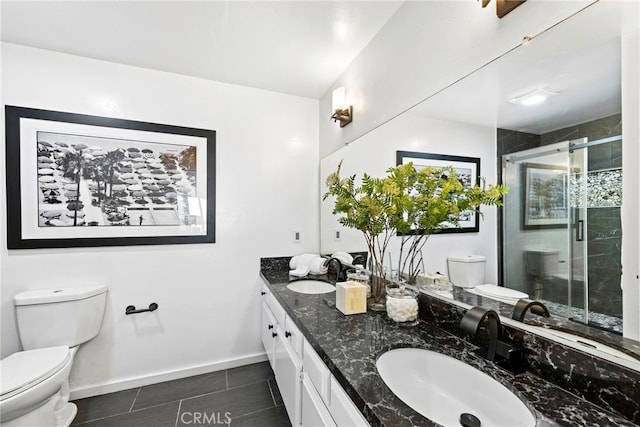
{"points": [[293, 334], [342, 409], [317, 371]]}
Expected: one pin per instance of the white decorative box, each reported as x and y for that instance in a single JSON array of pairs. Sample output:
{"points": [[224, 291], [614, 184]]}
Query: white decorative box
{"points": [[351, 297]]}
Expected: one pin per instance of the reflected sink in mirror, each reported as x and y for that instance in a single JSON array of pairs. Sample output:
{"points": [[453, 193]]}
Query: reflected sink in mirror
{"points": [[311, 287], [445, 389]]}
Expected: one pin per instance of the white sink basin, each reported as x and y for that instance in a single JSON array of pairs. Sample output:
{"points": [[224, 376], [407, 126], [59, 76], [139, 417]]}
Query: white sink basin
{"points": [[443, 388], [311, 287]]}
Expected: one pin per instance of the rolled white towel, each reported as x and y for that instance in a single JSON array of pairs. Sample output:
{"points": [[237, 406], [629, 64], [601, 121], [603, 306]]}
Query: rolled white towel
{"points": [[343, 257], [301, 261], [299, 272], [316, 266]]}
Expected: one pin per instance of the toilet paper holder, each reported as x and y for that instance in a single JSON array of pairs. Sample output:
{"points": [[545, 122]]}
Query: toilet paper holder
{"points": [[131, 309]]}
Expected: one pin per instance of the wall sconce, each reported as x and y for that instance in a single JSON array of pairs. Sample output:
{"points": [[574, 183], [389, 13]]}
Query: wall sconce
{"points": [[503, 7], [341, 112]]}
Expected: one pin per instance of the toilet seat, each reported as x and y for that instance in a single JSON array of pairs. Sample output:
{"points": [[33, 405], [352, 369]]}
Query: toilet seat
{"points": [[24, 369], [499, 292]]}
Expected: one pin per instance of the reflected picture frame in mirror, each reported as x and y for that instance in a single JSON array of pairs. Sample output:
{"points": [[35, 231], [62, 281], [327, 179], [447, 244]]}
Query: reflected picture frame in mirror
{"points": [[544, 196], [454, 105], [467, 169]]}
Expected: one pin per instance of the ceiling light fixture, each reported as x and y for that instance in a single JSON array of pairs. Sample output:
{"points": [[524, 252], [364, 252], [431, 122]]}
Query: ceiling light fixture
{"points": [[342, 112], [535, 97]]}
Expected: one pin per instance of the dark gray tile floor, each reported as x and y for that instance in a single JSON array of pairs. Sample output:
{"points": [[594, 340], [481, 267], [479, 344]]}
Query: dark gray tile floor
{"points": [[240, 397]]}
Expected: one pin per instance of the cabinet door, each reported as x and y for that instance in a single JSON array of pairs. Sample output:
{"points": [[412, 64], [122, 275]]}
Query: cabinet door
{"points": [[288, 370], [317, 371], [268, 331], [342, 409], [314, 412]]}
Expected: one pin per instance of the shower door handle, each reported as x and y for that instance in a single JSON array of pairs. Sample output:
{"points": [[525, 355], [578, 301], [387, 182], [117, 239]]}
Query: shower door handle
{"points": [[580, 230]]}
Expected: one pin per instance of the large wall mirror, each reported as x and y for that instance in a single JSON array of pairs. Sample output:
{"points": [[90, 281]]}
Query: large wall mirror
{"points": [[558, 238]]}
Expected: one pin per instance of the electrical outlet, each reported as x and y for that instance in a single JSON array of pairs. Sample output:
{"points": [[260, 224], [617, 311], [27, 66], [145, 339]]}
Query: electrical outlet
{"points": [[297, 237], [337, 235]]}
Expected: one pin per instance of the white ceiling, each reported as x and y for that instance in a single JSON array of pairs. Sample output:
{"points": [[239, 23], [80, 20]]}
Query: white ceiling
{"points": [[579, 59], [295, 47]]}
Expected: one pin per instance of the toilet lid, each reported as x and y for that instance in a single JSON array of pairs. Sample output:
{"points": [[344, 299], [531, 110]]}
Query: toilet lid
{"points": [[26, 368]]}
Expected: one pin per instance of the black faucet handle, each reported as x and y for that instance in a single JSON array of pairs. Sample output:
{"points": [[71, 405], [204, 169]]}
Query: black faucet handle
{"points": [[511, 353], [513, 359]]}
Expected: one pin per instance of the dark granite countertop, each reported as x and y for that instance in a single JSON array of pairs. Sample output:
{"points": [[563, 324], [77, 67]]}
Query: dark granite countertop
{"points": [[561, 323], [350, 345]]}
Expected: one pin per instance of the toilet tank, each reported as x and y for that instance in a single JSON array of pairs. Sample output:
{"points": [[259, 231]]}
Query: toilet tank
{"points": [[63, 316], [466, 271], [541, 262]]}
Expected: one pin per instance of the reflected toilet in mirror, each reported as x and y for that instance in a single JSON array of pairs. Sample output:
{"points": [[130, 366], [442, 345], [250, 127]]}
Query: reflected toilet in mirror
{"points": [[474, 117]]}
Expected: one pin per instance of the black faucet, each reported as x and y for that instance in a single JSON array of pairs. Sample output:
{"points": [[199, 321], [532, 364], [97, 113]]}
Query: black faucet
{"points": [[474, 317], [524, 304], [471, 323], [338, 270]]}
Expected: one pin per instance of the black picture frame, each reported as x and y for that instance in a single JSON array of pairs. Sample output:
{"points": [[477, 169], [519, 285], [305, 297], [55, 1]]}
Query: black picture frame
{"points": [[545, 198], [468, 169], [169, 198]]}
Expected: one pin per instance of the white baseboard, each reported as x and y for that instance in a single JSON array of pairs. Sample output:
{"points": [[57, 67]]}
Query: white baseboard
{"points": [[128, 383]]}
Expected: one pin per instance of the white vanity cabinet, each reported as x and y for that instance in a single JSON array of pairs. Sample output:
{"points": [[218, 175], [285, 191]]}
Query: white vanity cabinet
{"points": [[328, 397], [282, 343], [311, 395]]}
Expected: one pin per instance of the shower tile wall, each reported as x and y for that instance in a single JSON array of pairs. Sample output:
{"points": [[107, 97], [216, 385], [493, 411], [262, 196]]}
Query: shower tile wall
{"points": [[604, 237], [594, 130], [604, 241]]}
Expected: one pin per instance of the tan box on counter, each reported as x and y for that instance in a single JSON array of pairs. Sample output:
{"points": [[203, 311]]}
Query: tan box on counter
{"points": [[351, 297]]}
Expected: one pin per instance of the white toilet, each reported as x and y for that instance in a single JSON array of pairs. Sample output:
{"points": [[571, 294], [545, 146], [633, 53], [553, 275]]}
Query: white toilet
{"points": [[34, 383], [468, 272], [542, 263]]}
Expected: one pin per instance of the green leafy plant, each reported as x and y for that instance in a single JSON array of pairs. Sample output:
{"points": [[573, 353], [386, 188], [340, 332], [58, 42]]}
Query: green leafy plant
{"points": [[371, 208], [437, 199], [412, 203]]}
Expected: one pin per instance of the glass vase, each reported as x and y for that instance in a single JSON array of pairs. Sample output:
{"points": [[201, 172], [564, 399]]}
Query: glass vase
{"points": [[377, 302]]}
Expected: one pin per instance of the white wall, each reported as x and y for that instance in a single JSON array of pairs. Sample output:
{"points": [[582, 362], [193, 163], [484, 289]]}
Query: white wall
{"points": [[630, 181], [267, 187], [424, 47], [375, 152]]}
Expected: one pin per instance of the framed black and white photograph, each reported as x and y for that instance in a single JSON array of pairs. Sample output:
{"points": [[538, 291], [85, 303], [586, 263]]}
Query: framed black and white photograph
{"points": [[468, 171], [77, 180], [545, 196]]}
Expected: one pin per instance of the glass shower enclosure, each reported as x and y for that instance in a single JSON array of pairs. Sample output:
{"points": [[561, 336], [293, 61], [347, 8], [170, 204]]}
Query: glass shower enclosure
{"points": [[562, 230]]}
